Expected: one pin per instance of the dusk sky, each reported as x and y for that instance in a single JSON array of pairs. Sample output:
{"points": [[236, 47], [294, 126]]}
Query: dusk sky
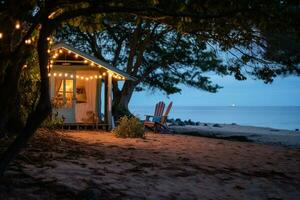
{"points": [[282, 92]]}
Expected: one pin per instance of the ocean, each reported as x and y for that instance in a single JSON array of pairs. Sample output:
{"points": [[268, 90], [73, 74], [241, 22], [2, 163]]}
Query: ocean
{"points": [[280, 117]]}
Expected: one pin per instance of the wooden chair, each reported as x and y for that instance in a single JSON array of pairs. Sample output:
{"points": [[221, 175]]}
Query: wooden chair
{"points": [[158, 122]]}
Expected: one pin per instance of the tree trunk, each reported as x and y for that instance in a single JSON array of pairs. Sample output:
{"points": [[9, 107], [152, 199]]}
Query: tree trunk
{"points": [[41, 111], [122, 99]]}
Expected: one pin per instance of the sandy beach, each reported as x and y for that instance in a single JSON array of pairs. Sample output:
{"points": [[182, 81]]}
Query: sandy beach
{"points": [[97, 165], [263, 135]]}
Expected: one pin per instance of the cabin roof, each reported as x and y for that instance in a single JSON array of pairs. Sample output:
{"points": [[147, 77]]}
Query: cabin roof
{"points": [[92, 59]]}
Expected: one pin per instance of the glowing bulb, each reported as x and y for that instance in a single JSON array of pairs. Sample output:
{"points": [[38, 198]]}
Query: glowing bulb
{"points": [[87, 79], [66, 74], [48, 51], [71, 76], [49, 74], [76, 56], [77, 76], [69, 52], [60, 51], [28, 41], [100, 76], [85, 61], [51, 61], [18, 25], [1, 35], [48, 38], [54, 74], [104, 74], [82, 78], [60, 74], [92, 64]]}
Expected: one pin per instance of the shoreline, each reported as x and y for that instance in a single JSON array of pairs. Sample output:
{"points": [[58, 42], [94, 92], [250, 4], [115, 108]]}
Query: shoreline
{"points": [[261, 135]]}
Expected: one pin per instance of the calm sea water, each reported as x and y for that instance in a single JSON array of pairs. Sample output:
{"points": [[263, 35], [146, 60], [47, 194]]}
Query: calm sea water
{"points": [[285, 117]]}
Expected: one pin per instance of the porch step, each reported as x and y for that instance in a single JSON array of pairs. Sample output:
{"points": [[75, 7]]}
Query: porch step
{"points": [[85, 126]]}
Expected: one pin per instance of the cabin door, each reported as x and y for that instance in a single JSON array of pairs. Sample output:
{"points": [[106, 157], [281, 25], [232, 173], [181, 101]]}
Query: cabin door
{"points": [[85, 107]]}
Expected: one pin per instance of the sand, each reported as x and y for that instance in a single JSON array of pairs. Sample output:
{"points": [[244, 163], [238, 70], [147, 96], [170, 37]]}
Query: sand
{"points": [[97, 165], [262, 135]]}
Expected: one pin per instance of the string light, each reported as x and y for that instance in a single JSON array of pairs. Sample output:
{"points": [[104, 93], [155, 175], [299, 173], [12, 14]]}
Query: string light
{"points": [[82, 77], [28, 41], [1, 35], [18, 26], [85, 61]]}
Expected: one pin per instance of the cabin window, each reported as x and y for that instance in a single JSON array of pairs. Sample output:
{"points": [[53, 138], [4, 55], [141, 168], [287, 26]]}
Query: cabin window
{"points": [[63, 93]]}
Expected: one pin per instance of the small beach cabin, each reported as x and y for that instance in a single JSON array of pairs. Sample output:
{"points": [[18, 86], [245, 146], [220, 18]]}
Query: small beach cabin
{"points": [[81, 86]]}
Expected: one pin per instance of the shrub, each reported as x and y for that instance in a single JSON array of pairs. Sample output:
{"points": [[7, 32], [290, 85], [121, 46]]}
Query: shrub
{"points": [[53, 121], [129, 127]]}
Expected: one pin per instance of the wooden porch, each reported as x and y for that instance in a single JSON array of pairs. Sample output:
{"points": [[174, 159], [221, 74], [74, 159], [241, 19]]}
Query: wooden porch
{"points": [[86, 126]]}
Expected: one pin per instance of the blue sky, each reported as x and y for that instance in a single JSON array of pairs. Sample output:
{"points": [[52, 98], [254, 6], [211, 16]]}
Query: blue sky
{"points": [[282, 92]]}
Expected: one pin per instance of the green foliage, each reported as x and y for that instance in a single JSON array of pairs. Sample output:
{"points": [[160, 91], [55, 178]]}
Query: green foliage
{"points": [[53, 121], [129, 127]]}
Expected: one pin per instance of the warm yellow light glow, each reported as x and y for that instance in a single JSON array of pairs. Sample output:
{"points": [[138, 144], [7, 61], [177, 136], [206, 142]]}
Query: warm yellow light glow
{"points": [[49, 74], [85, 61], [66, 74], [71, 76], [100, 76], [1, 35], [96, 76], [77, 76], [60, 74], [48, 51], [28, 41], [60, 51], [92, 64], [48, 38], [69, 52], [104, 74], [54, 74], [51, 61], [82, 78], [18, 26], [76, 55], [87, 79]]}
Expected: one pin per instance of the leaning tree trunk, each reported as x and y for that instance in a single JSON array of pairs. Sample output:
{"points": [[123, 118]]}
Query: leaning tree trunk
{"points": [[122, 99], [41, 111], [9, 86]]}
